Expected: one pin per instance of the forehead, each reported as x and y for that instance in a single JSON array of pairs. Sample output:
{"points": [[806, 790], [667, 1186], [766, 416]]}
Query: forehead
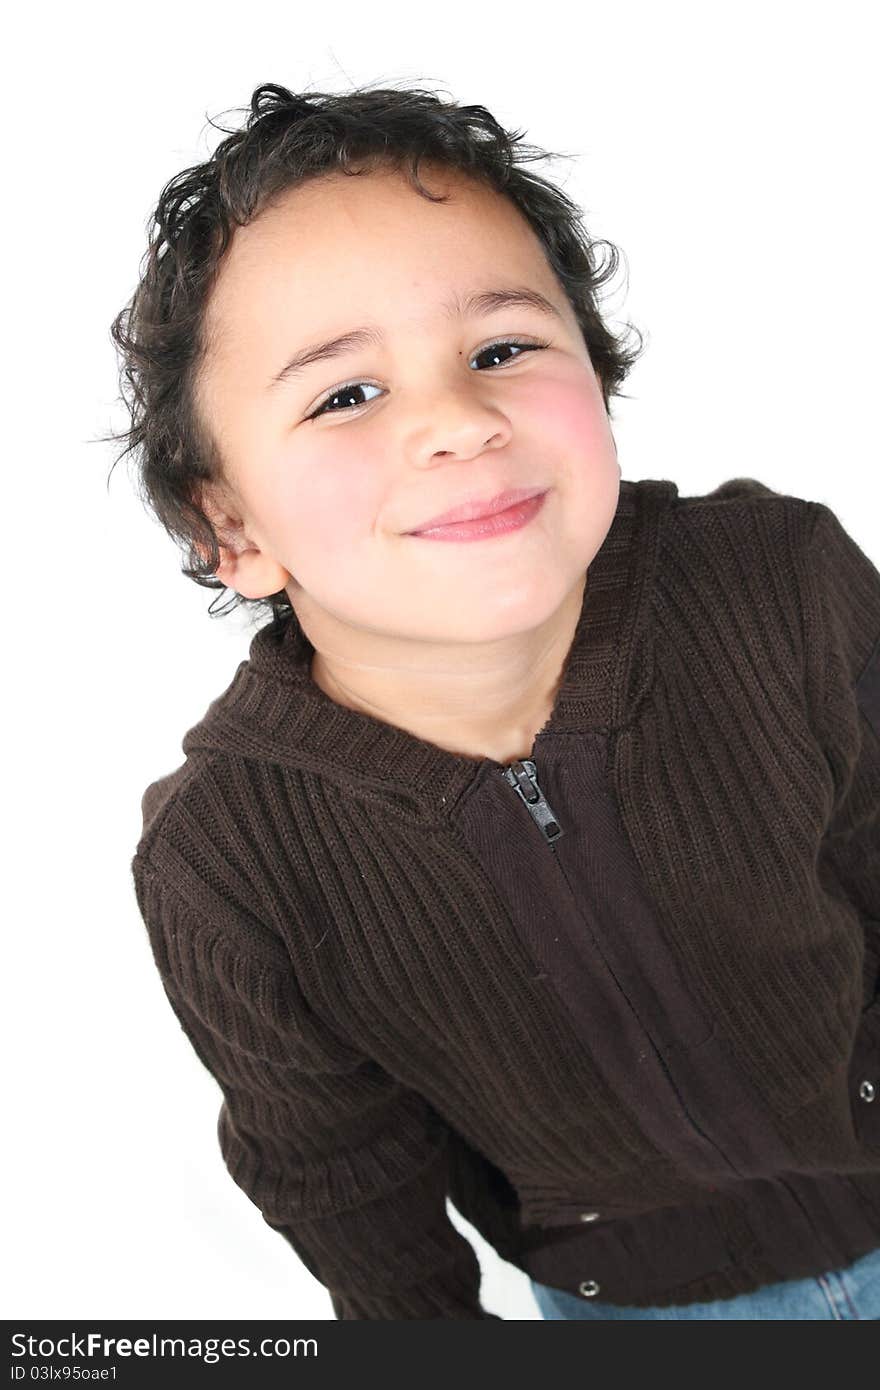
{"points": [[368, 245]]}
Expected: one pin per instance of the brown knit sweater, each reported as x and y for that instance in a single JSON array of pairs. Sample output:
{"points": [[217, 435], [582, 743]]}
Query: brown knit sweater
{"points": [[620, 1001]]}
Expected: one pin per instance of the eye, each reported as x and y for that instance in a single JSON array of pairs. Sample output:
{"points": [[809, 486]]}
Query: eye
{"points": [[348, 391], [508, 342]]}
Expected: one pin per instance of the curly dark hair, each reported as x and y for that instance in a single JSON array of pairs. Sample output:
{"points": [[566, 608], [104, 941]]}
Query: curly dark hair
{"points": [[286, 139]]}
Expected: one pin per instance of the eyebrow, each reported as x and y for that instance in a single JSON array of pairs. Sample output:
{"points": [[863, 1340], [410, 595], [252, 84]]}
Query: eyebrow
{"points": [[478, 304]]}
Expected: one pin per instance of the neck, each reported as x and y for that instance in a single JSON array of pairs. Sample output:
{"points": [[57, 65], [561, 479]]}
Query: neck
{"points": [[491, 705]]}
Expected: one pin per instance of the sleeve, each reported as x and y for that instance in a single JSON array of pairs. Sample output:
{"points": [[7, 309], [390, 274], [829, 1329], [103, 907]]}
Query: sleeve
{"points": [[843, 655], [342, 1160]]}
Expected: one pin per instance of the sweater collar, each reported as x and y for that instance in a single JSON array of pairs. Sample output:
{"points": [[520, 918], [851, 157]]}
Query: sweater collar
{"points": [[273, 710]]}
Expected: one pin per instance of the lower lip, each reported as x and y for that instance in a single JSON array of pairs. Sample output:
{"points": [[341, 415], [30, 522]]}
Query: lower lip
{"points": [[482, 528]]}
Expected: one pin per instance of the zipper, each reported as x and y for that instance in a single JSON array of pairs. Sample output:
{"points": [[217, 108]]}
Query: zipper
{"points": [[523, 777]]}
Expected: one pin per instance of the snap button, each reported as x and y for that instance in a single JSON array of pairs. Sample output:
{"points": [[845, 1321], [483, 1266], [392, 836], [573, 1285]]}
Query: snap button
{"points": [[866, 1091], [589, 1216], [589, 1288]]}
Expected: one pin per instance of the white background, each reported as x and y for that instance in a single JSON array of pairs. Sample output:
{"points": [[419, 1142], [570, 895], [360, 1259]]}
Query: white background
{"points": [[729, 151]]}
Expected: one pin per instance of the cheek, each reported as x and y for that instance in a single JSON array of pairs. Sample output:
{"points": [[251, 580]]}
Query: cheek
{"points": [[325, 506], [567, 414], [570, 415]]}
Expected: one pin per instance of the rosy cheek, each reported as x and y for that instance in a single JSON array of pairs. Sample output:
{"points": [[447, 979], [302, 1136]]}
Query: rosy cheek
{"points": [[570, 412]]}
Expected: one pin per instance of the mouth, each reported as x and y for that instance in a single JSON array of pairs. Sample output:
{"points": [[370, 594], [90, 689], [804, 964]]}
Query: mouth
{"points": [[498, 522], [477, 509]]}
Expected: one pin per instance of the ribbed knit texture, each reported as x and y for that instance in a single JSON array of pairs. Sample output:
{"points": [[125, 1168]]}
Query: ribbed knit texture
{"points": [[346, 968]]}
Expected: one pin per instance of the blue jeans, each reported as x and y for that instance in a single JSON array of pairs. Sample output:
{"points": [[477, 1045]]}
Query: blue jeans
{"points": [[841, 1294]]}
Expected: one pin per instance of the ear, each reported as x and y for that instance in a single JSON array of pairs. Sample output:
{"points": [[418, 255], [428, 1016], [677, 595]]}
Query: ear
{"points": [[244, 565]]}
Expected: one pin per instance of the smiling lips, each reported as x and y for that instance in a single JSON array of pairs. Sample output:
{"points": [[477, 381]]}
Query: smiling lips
{"points": [[507, 511], [505, 516]]}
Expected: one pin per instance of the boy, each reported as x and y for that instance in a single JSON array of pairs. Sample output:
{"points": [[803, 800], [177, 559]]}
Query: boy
{"points": [[531, 857]]}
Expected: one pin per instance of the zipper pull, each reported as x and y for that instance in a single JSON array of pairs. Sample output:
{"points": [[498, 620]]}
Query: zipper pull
{"points": [[522, 776]]}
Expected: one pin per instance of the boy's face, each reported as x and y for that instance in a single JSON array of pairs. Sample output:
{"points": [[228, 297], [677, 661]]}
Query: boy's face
{"points": [[325, 503]]}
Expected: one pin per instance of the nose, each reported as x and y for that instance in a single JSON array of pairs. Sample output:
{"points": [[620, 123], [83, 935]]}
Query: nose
{"points": [[444, 452], [457, 424]]}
